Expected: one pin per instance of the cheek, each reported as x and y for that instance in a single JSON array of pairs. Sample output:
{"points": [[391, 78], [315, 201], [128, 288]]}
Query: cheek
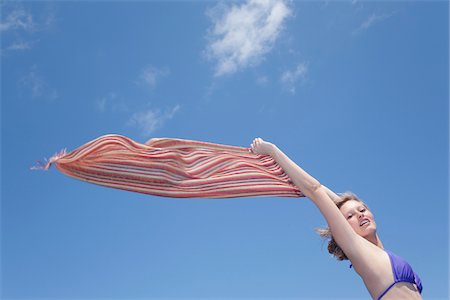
{"points": [[354, 223]]}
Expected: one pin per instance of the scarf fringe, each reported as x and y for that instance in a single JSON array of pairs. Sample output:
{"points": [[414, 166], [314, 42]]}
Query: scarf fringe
{"points": [[40, 165]]}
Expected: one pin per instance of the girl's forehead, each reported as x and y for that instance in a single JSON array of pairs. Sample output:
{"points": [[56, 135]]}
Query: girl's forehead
{"points": [[351, 205]]}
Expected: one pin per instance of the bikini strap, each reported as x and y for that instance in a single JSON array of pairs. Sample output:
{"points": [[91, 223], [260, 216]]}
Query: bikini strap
{"points": [[386, 290]]}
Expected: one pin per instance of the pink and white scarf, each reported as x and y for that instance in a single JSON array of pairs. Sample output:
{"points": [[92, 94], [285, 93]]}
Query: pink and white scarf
{"points": [[175, 168]]}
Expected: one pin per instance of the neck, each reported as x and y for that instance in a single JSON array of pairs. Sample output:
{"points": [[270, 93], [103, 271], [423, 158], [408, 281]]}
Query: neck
{"points": [[374, 239]]}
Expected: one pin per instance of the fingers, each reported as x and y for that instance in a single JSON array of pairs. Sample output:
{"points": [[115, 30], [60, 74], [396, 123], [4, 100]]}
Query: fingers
{"points": [[255, 144], [257, 141]]}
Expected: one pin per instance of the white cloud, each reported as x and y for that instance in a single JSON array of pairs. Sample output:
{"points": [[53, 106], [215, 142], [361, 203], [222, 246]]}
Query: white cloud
{"points": [[18, 19], [33, 82], [149, 121], [19, 46], [151, 75], [111, 103], [243, 34], [104, 102], [35, 85], [290, 78], [49, 19], [19, 27], [370, 21]]}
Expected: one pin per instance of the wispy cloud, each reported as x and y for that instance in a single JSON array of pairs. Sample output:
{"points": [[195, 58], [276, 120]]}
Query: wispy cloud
{"points": [[290, 78], [243, 34], [150, 120], [18, 19], [110, 103], [19, 46], [371, 21], [151, 76], [19, 26], [34, 84]]}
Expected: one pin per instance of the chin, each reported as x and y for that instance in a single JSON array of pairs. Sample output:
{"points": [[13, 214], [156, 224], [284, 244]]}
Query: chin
{"points": [[369, 231]]}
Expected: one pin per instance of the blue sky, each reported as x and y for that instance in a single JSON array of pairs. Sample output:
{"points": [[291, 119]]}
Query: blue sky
{"points": [[355, 92]]}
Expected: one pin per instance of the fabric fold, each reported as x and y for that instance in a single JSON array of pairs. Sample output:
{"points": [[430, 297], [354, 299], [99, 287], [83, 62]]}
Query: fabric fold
{"points": [[175, 168]]}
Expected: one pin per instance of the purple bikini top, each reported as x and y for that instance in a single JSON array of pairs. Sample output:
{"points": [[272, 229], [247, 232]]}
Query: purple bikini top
{"points": [[402, 271]]}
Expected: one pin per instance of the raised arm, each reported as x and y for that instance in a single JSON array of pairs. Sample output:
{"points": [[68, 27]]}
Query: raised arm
{"points": [[331, 194], [322, 197]]}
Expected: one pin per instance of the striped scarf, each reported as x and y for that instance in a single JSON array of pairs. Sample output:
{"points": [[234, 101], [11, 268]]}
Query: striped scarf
{"points": [[175, 168]]}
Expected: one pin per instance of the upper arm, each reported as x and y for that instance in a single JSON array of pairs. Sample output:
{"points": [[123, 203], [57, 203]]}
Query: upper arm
{"points": [[343, 233], [369, 260]]}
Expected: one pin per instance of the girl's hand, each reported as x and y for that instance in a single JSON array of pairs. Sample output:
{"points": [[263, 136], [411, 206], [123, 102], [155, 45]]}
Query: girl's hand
{"points": [[261, 147]]}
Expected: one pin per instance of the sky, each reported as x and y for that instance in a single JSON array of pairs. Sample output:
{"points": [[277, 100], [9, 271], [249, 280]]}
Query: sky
{"points": [[355, 92]]}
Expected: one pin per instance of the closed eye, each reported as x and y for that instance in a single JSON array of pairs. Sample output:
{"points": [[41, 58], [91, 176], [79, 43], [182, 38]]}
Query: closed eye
{"points": [[349, 216]]}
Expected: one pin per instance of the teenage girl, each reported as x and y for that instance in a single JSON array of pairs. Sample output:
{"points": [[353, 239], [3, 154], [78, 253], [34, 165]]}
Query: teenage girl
{"points": [[353, 233]]}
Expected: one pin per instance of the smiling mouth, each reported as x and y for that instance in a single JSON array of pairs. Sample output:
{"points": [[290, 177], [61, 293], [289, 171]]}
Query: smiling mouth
{"points": [[365, 222]]}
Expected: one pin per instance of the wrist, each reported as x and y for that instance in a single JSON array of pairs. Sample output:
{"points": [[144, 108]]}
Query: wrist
{"points": [[274, 151]]}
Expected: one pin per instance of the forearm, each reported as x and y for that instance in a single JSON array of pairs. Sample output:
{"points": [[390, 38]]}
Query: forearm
{"points": [[299, 177], [324, 199]]}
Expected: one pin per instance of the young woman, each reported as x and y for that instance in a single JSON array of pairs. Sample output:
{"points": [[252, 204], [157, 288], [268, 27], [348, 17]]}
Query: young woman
{"points": [[353, 233]]}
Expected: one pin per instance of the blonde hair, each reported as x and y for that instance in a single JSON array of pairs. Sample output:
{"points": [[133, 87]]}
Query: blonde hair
{"points": [[333, 247]]}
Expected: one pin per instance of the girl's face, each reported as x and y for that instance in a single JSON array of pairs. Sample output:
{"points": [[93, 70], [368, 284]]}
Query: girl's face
{"points": [[359, 217]]}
